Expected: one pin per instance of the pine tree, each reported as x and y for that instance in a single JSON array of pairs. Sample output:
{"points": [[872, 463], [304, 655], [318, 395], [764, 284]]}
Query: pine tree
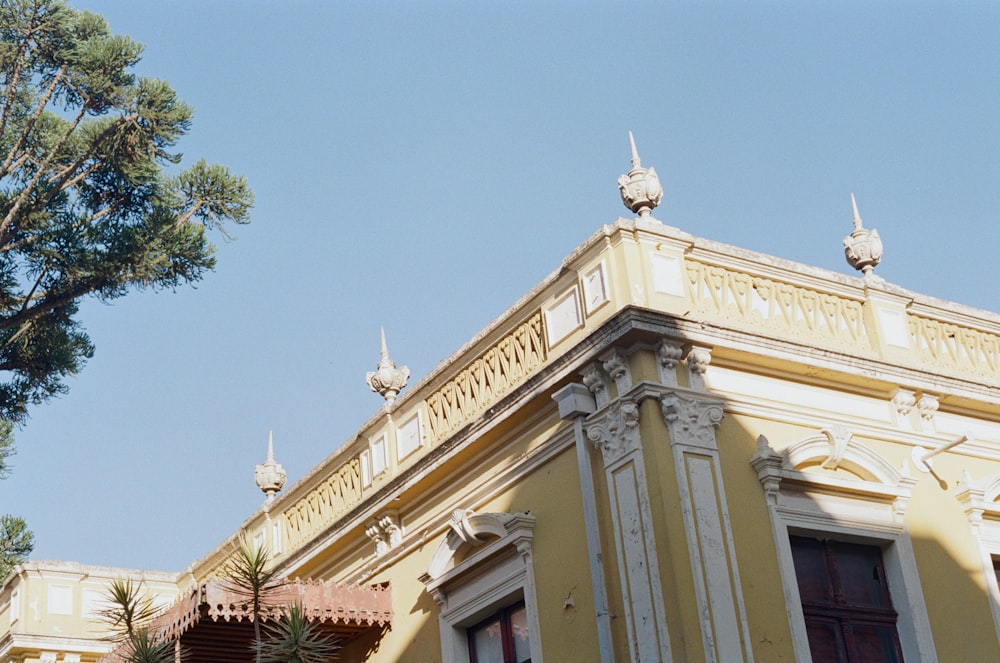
{"points": [[92, 199]]}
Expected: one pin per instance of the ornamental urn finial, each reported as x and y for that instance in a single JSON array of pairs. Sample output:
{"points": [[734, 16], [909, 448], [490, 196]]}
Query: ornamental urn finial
{"points": [[387, 380], [863, 247], [270, 476], [640, 188]]}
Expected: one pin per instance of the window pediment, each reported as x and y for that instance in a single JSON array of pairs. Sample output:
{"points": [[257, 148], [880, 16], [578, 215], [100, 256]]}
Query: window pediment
{"points": [[831, 462]]}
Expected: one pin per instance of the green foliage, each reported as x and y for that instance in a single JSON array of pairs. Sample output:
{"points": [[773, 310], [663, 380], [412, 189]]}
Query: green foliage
{"points": [[89, 205], [16, 543], [128, 615], [16, 540], [295, 639]]}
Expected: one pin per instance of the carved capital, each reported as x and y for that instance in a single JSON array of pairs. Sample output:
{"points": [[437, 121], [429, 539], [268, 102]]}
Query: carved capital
{"points": [[596, 380], [904, 401], [668, 356], [927, 405], [766, 462], [615, 363], [698, 360], [690, 420], [616, 432]]}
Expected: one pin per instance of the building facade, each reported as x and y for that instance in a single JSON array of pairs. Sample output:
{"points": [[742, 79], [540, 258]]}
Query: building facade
{"points": [[670, 449]]}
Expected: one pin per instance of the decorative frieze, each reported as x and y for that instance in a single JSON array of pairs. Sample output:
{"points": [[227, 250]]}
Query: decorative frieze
{"points": [[487, 379], [340, 491], [957, 350], [781, 308]]}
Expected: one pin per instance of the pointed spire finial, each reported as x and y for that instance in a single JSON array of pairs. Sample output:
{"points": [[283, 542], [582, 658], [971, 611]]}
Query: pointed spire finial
{"points": [[270, 476], [636, 163], [857, 216], [640, 188], [863, 247], [387, 380]]}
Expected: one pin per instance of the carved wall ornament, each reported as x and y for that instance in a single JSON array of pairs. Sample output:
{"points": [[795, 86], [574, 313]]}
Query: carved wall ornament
{"points": [[640, 188], [385, 532], [669, 356], [904, 401], [596, 380], [616, 431], [698, 359], [691, 420], [616, 365], [862, 248], [839, 437], [927, 405], [387, 380]]}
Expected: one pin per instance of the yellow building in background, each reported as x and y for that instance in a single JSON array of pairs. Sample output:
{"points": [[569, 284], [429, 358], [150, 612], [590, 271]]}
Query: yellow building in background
{"points": [[670, 449]]}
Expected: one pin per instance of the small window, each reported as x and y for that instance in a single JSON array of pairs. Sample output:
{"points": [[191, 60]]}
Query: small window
{"points": [[996, 571], [502, 638], [845, 601]]}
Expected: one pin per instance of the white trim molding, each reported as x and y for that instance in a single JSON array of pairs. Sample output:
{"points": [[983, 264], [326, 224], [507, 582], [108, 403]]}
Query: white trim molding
{"points": [[832, 486], [483, 565], [981, 501]]}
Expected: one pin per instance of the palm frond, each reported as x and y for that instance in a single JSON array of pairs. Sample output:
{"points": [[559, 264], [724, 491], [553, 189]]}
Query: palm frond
{"points": [[295, 639]]}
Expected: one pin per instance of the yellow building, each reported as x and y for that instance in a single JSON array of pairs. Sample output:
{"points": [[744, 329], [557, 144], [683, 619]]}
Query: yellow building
{"points": [[670, 449]]}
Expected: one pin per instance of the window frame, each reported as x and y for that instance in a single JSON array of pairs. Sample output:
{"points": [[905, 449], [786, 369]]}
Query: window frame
{"points": [[506, 633], [482, 566], [863, 503]]}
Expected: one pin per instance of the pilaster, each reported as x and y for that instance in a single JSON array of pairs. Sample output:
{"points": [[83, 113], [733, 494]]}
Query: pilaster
{"points": [[615, 432], [692, 420]]}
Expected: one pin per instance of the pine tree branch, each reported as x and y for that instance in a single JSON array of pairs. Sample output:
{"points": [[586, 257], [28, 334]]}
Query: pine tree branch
{"points": [[15, 79], [39, 109]]}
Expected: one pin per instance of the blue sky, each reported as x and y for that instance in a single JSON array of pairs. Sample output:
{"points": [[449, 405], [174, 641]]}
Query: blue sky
{"points": [[420, 165]]}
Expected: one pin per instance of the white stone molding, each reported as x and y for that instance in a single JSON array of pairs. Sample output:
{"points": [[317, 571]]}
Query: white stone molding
{"points": [[615, 363], [47, 657], [980, 500], [596, 380], [615, 431], [71, 658], [860, 497], [495, 572], [691, 421], [927, 405], [668, 356]]}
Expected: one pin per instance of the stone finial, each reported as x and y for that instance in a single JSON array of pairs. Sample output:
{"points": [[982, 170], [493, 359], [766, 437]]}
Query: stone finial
{"points": [[862, 248], [387, 380], [640, 188], [270, 476]]}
